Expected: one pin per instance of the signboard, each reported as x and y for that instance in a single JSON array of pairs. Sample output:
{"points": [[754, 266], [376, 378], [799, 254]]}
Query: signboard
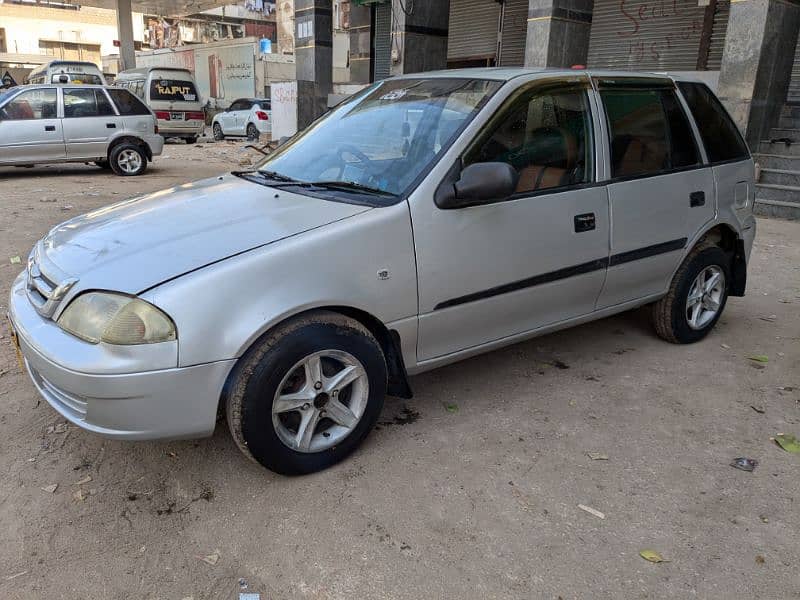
{"points": [[8, 81], [284, 109], [226, 73]]}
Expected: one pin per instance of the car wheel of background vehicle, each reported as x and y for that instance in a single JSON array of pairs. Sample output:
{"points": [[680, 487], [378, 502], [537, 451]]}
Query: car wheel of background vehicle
{"points": [[127, 159], [103, 164], [191, 140], [252, 133], [308, 394], [696, 297], [218, 135]]}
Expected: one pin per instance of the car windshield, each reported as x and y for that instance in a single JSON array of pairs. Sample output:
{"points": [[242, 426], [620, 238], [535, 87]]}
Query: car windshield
{"points": [[79, 78], [6, 94], [384, 137]]}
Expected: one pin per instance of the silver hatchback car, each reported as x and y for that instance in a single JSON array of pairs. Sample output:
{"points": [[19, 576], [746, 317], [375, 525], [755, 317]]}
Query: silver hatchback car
{"points": [[427, 219], [77, 123]]}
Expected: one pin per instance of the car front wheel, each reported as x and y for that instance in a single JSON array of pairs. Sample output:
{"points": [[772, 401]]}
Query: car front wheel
{"points": [[696, 297], [307, 395], [218, 135], [127, 159]]}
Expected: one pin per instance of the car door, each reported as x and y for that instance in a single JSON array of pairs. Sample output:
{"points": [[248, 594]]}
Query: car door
{"points": [[242, 115], [227, 118], [30, 130], [661, 193], [509, 267], [90, 121]]}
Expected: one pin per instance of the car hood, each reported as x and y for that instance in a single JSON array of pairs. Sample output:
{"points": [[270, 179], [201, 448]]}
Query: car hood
{"points": [[136, 244]]}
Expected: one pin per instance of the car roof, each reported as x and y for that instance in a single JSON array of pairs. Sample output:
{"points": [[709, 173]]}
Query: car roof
{"points": [[34, 86], [146, 70], [509, 73]]}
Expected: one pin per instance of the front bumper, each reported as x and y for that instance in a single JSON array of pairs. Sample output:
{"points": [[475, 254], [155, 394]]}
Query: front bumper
{"points": [[154, 404]]}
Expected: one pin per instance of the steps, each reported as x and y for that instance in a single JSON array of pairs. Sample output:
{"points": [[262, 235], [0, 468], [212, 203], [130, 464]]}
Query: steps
{"points": [[778, 188]]}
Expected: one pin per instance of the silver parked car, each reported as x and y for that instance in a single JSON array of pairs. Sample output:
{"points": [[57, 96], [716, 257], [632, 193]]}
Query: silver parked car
{"points": [[77, 123], [427, 219]]}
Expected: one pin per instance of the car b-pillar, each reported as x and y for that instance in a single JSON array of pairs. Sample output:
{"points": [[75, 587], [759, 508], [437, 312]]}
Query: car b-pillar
{"points": [[314, 58]]}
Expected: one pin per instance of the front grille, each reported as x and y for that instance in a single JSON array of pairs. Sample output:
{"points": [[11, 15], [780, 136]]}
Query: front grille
{"points": [[73, 405], [47, 284]]}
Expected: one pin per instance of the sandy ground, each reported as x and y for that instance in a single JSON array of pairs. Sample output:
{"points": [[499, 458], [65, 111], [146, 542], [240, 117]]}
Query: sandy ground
{"points": [[470, 490]]}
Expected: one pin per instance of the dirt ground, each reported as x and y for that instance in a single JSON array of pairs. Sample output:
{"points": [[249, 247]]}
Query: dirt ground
{"points": [[470, 490]]}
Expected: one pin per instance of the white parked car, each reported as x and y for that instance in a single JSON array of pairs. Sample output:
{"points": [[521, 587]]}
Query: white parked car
{"points": [[248, 117]]}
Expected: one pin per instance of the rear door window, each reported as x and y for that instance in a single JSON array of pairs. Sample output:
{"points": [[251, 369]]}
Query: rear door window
{"points": [[649, 132], [719, 133], [127, 103], [86, 103], [173, 90]]}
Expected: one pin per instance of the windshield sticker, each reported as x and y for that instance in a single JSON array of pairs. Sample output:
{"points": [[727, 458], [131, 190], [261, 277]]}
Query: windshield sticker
{"points": [[395, 94]]}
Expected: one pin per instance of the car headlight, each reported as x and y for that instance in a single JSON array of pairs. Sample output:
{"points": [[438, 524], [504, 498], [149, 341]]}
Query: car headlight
{"points": [[116, 319]]}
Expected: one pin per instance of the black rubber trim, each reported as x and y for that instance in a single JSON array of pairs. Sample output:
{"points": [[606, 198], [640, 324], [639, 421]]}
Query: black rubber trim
{"points": [[588, 267], [647, 252], [738, 270], [581, 269]]}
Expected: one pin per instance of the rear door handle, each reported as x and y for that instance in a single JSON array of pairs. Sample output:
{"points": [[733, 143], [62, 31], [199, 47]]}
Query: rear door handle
{"points": [[697, 199], [111, 125], [585, 222], [49, 127]]}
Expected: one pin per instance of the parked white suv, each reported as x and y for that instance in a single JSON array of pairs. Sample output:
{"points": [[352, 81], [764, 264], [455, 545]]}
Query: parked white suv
{"points": [[248, 117], [428, 219], [77, 123]]}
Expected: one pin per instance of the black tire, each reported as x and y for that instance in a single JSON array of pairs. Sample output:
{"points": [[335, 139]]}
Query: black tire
{"points": [[122, 151], [103, 164], [191, 139], [218, 135], [263, 369], [669, 314], [252, 133]]}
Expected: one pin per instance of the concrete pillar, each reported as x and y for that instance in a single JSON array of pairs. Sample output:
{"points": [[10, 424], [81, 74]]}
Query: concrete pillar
{"points": [[757, 63], [558, 32], [360, 44], [313, 24], [419, 36], [127, 53]]}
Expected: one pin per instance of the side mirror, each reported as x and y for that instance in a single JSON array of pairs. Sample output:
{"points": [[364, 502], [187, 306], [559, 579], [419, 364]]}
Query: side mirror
{"points": [[480, 183]]}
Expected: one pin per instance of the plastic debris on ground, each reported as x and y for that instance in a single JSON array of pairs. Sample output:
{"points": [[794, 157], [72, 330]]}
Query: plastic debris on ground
{"points": [[744, 464], [652, 556], [592, 511]]}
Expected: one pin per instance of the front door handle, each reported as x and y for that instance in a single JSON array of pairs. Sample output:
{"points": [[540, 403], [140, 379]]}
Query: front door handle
{"points": [[49, 127], [697, 199], [111, 125], [585, 222]]}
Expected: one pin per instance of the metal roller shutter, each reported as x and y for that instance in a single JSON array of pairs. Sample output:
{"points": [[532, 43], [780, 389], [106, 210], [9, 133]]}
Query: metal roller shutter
{"points": [[513, 34], [383, 40], [473, 29], [644, 35], [721, 15], [793, 97]]}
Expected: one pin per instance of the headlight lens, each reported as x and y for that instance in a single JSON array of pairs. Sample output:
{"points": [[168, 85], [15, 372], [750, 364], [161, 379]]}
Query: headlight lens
{"points": [[116, 319]]}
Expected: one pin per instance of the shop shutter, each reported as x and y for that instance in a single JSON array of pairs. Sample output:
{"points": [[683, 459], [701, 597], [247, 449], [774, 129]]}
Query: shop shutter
{"points": [[513, 34], [721, 15], [472, 32], [383, 40], [793, 97], [645, 35]]}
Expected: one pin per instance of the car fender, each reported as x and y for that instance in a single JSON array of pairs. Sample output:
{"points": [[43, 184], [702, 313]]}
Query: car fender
{"points": [[365, 262]]}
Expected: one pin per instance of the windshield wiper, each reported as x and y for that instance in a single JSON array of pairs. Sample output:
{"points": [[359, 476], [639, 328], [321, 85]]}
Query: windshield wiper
{"points": [[270, 175], [351, 186]]}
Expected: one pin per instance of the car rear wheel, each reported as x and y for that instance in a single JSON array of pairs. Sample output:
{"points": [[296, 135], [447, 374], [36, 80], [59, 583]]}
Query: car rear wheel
{"points": [[696, 297], [127, 159], [252, 133], [191, 139], [218, 135], [307, 396]]}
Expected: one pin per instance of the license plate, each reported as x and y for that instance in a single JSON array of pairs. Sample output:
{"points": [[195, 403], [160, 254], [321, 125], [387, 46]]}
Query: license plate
{"points": [[15, 344], [178, 116]]}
